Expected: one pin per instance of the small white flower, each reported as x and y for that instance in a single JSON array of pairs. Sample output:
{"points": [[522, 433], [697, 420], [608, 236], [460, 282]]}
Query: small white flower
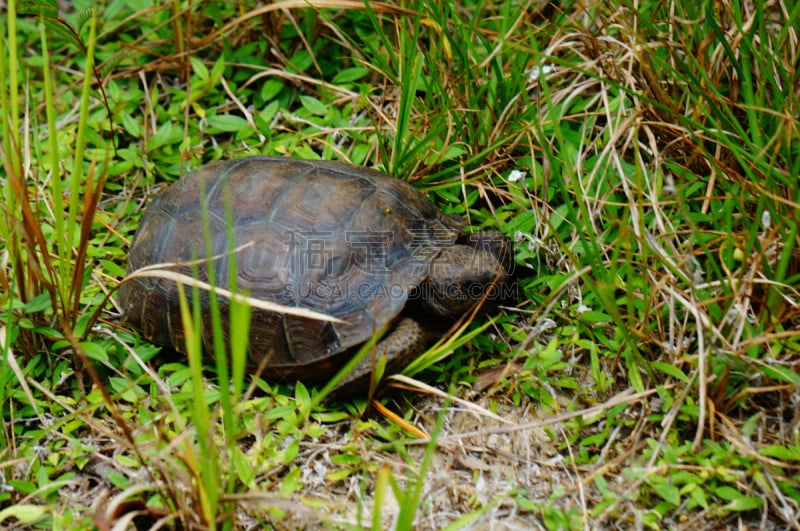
{"points": [[542, 326], [537, 72], [320, 469], [766, 220], [480, 489], [694, 267], [669, 184], [480, 485], [516, 175]]}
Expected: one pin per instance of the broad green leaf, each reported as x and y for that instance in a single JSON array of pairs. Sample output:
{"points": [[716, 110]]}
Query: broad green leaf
{"points": [[348, 75], [199, 68], [291, 452], [738, 501], [669, 492], [778, 451], [670, 370], [228, 123], [783, 374], [313, 105], [165, 134], [37, 304], [94, 351], [27, 514], [244, 470]]}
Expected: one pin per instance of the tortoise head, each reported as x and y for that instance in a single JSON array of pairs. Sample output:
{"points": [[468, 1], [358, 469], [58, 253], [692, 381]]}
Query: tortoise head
{"points": [[478, 266]]}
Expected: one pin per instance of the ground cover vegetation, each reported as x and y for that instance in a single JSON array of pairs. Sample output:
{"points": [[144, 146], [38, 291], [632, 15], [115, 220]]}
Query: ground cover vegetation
{"points": [[642, 155]]}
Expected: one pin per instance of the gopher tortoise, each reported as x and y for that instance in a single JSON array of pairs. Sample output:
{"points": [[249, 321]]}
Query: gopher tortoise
{"points": [[346, 241]]}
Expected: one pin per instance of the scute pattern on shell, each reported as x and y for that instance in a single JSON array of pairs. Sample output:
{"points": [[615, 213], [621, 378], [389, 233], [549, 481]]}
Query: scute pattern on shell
{"points": [[346, 241]]}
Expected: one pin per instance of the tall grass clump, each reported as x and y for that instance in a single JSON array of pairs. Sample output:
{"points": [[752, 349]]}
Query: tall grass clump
{"points": [[50, 194], [685, 199], [46, 239], [707, 196], [53, 247]]}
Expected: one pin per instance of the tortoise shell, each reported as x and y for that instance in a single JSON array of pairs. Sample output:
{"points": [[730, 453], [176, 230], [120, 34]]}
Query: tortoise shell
{"points": [[345, 241]]}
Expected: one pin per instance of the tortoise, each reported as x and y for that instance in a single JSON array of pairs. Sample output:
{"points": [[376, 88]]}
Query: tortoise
{"points": [[346, 241]]}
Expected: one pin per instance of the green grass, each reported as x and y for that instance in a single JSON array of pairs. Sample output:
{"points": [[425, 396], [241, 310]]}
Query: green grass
{"points": [[644, 157]]}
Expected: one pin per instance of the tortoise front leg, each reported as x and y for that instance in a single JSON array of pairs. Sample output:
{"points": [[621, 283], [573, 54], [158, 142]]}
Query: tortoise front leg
{"points": [[407, 340]]}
